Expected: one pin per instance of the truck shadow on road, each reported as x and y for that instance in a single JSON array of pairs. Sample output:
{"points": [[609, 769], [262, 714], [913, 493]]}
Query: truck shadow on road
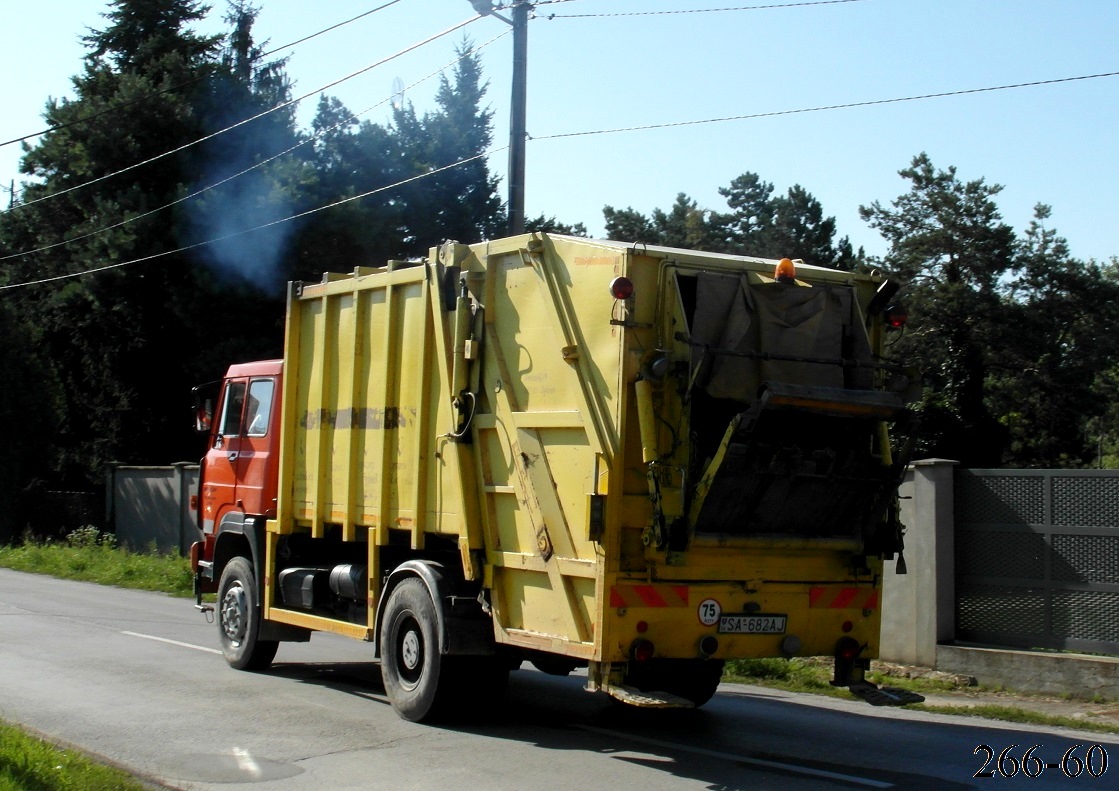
{"points": [[737, 741]]}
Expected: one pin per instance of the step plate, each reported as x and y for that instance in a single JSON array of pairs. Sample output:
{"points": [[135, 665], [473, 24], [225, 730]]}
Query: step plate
{"points": [[649, 700], [885, 696]]}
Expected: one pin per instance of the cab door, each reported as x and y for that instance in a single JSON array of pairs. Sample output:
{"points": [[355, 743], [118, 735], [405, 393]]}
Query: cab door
{"points": [[256, 454], [219, 487]]}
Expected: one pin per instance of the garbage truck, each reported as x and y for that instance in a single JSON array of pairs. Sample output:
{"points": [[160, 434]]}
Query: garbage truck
{"points": [[637, 460]]}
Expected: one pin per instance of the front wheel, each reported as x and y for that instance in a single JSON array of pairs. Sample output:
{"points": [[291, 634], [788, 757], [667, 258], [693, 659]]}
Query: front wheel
{"points": [[239, 619], [414, 672]]}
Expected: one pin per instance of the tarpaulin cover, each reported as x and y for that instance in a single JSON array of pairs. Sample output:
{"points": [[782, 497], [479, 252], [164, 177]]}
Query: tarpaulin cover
{"points": [[734, 318]]}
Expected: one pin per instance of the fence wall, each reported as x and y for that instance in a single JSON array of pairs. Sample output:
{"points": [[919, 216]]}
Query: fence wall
{"points": [[1037, 558], [1016, 559], [151, 506]]}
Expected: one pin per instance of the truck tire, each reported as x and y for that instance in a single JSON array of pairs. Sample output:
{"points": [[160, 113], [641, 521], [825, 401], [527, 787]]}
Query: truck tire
{"points": [[239, 619], [554, 665], [692, 679], [414, 672]]}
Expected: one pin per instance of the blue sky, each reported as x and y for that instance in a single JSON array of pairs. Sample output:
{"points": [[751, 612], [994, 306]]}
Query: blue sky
{"points": [[1053, 144]]}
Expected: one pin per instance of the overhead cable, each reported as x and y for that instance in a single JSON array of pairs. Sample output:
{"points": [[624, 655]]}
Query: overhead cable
{"points": [[553, 137], [870, 103], [701, 10], [242, 122], [114, 108], [245, 232], [202, 190]]}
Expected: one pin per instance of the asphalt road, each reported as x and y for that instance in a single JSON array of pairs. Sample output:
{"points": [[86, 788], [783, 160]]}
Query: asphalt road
{"points": [[135, 677]]}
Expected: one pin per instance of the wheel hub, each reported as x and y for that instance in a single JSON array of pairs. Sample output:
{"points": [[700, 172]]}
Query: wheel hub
{"points": [[234, 614], [411, 650]]}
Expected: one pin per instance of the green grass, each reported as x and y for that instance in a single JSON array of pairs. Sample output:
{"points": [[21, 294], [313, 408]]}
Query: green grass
{"points": [[28, 763], [91, 556], [1016, 714], [794, 675], [814, 675]]}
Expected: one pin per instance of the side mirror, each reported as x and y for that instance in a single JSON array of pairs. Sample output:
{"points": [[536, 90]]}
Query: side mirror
{"points": [[203, 397], [203, 416]]}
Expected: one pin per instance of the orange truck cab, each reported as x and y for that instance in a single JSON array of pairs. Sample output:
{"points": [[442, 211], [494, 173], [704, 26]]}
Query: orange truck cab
{"points": [[238, 475]]}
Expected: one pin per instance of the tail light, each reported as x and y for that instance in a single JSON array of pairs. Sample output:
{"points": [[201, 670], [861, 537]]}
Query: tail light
{"points": [[847, 649], [896, 316], [621, 288], [642, 650]]}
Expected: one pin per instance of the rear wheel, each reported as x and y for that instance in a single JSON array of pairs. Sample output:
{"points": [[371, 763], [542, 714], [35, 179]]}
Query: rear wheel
{"points": [[553, 664], [413, 670], [239, 619], [692, 679]]}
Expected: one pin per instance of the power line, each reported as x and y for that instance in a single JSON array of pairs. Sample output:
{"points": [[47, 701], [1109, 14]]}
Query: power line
{"points": [[262, 163], [245, 232], [553, 137], [701, 10], [114, 108], [327, 29], [870, 103], [242, 122]]}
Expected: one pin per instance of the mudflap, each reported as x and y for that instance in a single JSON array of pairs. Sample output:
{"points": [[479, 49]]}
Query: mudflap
{"points": [[884, 696], [647, 700]]}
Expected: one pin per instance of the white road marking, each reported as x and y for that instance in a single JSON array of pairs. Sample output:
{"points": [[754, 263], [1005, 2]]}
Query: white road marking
{"points": [[173, 642], [793, 768]]}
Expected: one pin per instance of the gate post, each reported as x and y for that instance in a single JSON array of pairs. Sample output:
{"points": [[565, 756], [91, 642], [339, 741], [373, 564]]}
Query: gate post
{"points": [[918, 608]]}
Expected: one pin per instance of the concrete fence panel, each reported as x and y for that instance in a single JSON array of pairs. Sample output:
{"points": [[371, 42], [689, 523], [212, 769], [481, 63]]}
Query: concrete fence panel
{"points": [[150, 506]]}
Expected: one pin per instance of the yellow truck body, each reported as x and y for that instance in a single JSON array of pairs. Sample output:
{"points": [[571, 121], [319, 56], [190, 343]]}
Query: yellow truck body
{"points": [[644, 460]]}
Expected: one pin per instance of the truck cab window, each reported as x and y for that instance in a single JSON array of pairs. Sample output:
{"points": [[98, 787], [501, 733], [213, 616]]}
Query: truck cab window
{"points": [[233, 407], [260, 406]]}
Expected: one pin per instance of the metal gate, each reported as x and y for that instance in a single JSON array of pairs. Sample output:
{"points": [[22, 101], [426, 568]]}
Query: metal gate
{"points": [[1037, 558]]}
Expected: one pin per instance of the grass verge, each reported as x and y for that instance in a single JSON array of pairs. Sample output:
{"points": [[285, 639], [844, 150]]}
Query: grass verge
{"points": [[91, 556], [814, 676], [28, 763], [1026, 716]]}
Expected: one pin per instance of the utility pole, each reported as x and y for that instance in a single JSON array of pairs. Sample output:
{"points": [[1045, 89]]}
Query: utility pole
{"points": [[517, 107]]}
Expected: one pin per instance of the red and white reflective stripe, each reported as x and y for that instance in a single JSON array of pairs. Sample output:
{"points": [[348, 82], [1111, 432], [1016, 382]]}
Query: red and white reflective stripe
{"points": [[843, 598], [649, 596]]}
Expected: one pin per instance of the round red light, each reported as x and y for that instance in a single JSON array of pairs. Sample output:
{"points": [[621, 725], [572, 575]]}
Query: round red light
{"points": [[847, 649], [621, 288], [896, 316], [642, 650], [642, 627], [847, 626]]}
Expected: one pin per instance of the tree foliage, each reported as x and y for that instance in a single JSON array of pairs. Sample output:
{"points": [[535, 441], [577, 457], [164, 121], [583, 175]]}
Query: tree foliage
{"points": [[181, 153], [121, 345], [759, 223], [1006, 331]]}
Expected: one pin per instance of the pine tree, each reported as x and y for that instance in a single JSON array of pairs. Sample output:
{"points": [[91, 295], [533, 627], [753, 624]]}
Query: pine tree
{"points": [[948, 243], [127, 342]]}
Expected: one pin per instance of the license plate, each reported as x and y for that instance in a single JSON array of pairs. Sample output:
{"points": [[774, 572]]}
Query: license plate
{"points": [[759, 623]]}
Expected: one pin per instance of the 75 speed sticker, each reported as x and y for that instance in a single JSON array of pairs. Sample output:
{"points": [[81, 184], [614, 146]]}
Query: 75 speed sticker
{"points": [[709, 611]]}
